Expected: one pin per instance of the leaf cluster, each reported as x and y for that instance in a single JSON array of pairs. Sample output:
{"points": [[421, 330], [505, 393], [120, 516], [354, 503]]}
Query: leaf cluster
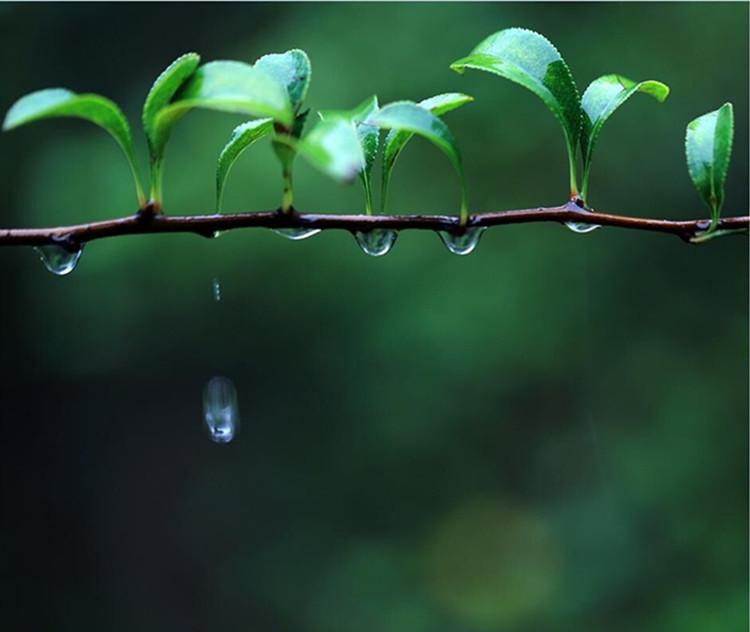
{"points": [[345, 143]]}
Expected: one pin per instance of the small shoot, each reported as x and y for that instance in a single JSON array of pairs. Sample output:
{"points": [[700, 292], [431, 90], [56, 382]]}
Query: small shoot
{"points": [[291, 72], [291, 69], [59, 102], [161, 93], [603, 96], [530, 60], [708, 148], [369, 137], [409, 117], [224, 86], [242, 137], [396, 140]]}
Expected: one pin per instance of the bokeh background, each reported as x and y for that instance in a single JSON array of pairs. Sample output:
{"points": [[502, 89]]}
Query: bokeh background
{"points": [[549, 434]]}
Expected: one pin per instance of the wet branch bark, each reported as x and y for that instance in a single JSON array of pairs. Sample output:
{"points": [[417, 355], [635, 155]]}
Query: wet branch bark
{"points": [[74, 236]]}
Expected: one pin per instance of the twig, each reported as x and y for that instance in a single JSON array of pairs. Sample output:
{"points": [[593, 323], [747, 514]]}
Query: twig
{"points": [[209, 225]]}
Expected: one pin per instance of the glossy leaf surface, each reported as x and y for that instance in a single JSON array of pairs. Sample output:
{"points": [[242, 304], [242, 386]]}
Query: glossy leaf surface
{"points": [[292, 70], [230, 86], [600, 100], [708, 147], [410, 117], [59, 102], [530, 60], [396, 140], [242, 137], [161, 93]]}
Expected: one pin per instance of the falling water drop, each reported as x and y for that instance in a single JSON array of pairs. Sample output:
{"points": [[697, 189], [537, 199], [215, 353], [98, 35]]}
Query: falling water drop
{"points": [[464, 243], [220, 410], [59, 260], [376, 243], [216, 289], [296, 234], [581, 227]]}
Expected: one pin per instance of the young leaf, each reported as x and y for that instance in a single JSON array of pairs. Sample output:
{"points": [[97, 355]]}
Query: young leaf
{"points": [[396, 140], [332, 146], [529, 59], [292, 70], [58, 102], [410, 117], [603, 96], [242, 137], [230, 86], [161, 93], [226, 86], [369, 137], [708, 147]]}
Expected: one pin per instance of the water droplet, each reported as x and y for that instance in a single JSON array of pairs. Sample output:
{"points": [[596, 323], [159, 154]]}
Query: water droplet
{"points": [[216, 289], [59, 260], [295, 234], [216, 234], [463, 244], [582, 227], [220, 409], [376, 243]]}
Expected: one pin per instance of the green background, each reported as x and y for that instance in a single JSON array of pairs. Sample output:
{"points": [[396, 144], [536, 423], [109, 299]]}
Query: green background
{"points": [[549, 434]]}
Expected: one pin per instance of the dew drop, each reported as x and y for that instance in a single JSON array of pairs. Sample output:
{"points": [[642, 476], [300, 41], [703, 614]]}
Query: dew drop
{"points": [[216, 289], [463, 244], [582, 227], [376, 243], [296, 234], [59, 260], [220, 410]]}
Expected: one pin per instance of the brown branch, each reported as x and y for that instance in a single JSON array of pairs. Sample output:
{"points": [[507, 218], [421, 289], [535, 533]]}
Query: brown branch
{"points": [[207, 225]]}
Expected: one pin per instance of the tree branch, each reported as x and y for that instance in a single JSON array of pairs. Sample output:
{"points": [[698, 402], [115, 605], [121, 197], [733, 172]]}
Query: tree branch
{"points": [[74, 236]]}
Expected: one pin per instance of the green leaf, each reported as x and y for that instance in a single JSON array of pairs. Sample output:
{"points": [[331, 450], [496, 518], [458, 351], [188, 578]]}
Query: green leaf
{"points": [[530, 60], [332, 146], [58, 102], [292, 70], [225, 86], [410, 117], [708, 147], [396, 140], [161, 93], [369, 137], [603, 96], [242, 137], [230, 86]]}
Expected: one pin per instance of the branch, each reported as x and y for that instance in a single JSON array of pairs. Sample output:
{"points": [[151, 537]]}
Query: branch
{"points": [[74, 236]]}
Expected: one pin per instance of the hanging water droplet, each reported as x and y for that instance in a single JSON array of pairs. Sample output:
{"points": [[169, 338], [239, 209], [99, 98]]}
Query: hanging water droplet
{"points": [[376, 243], [464, 243], [220, 409], [581, 227], [295, 234], [216, 289], [59, 260], [216, 234]]}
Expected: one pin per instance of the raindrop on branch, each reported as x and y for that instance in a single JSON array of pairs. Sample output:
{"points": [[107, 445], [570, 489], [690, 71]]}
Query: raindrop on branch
{"points": [[463, 243], [220, 409], [582, 227], [296, 234], [59, 260], [376, 243]]}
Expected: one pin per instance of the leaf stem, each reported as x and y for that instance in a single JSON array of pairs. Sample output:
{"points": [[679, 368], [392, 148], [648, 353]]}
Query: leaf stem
{"points": [[287, 195], [572, 167]]}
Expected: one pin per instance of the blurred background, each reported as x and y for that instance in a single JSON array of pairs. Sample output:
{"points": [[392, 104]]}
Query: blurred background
{"points": [[549, 434]]}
